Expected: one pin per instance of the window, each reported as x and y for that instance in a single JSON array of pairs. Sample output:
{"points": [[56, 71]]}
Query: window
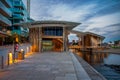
{"points": [[53, 31]]}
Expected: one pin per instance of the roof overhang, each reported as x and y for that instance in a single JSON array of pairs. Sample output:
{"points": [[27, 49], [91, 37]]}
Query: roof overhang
{"points": [[69, 25], [79, 33], [93, 34]]}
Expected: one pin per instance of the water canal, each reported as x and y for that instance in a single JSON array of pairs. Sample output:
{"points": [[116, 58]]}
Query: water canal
{"points": [[108, 64]]}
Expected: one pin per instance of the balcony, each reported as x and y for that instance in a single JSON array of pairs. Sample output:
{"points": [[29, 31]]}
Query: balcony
{"points": [[19, 5], [4, 10], [7, 3], [4, 21], [18, 11], [18, 16]]}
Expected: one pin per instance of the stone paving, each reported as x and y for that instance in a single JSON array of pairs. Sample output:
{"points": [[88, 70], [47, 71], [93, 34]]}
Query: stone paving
{"points": [[42, 66]]}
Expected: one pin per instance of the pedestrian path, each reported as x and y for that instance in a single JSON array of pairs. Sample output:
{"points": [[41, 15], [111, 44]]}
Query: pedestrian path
{"points": [[46, 66]]}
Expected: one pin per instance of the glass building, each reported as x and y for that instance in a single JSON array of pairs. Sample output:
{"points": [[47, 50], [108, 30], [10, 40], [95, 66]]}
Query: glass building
{"points": [[20, 14], [5, 22], [12, 12]]}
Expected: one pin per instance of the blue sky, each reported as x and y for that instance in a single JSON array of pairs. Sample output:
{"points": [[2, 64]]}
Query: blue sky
{"points": [[97, 16]]}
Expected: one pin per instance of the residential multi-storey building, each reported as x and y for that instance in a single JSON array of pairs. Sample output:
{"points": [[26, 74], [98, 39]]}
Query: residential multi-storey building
{"points": [[12, 12], [20, 14], [5, 22]]}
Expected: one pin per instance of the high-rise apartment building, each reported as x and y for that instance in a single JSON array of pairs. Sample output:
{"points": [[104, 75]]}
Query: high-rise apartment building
{"points": [[11, 13], [5, 22], [20, 14]]}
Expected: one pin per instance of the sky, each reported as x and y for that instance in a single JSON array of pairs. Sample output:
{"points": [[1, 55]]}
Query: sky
{"points": [[98, 16]]}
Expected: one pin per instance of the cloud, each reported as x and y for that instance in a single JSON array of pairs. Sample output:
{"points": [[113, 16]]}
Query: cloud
{"points": [[98, 16], [67, 12], [103, 21], [61, 11]]}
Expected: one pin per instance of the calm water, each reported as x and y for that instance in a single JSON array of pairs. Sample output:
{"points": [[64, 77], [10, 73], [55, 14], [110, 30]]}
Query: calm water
{"points": [[108, 64]]}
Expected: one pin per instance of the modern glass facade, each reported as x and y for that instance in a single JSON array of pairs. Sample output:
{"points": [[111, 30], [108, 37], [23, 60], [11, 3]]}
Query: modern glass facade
{"points": [[20, 14], [5, 14], [53, 31], [13, 12]]}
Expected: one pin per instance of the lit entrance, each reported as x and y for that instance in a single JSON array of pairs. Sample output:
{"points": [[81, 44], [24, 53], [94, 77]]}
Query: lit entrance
{"points": [[52, 44]]}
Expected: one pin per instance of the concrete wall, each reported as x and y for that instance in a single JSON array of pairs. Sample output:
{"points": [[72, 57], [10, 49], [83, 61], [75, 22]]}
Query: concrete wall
{"points": [[4, 51]]}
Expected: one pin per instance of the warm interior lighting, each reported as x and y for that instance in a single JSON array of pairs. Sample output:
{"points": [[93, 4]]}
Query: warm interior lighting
{"points": [[29, 51]]}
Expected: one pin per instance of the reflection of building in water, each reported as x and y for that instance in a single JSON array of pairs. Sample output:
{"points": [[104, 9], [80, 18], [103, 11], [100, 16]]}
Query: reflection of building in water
{"points": [[93, 58]]}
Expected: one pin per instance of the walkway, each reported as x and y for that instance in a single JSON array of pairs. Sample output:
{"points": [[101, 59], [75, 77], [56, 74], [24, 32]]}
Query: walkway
{"points": [[46, 66]]}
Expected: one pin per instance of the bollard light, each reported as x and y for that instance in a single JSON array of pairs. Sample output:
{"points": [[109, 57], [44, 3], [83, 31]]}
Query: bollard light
{"points": [[27, 50], [22, 50], [10, 58], [22, 53]]}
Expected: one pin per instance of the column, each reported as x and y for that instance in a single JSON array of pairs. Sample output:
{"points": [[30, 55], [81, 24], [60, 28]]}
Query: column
{"points": [[37, 38], [100, 42], [31, 39], [79, 40], [83, 41], [40, 39], [65, 39]]}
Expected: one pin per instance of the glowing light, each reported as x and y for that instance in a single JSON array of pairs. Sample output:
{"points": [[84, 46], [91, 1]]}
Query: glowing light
{"points": [[10, 58], [27, 49], [21, 50], [16, 39]]}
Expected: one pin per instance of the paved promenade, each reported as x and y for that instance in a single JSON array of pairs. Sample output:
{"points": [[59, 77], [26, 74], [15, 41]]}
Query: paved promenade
{"points": [[46, 66]]}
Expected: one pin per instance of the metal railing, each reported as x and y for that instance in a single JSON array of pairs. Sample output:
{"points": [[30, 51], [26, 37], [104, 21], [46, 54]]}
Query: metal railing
{"points": [[18, 16], [18, 11], [21, 5]]}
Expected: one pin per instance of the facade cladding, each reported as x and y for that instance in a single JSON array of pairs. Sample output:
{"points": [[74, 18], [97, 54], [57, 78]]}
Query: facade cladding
{"points": [[12, 12]]}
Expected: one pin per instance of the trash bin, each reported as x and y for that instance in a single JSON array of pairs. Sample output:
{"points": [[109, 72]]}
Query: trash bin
{"points": [[20, 55]]}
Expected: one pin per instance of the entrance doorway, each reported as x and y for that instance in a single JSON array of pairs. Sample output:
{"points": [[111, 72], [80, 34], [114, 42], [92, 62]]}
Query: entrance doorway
{"points": [[52, 44]]}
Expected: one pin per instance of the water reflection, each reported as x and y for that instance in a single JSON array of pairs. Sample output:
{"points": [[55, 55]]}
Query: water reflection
{"points": [[108, 64], [112, 59], [100, 58]]}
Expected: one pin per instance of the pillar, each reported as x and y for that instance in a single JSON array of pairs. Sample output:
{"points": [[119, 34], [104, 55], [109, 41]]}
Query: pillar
{"points": [[34, 39], [40, 39], [79, 40], [83, 41], [65, 39]]}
